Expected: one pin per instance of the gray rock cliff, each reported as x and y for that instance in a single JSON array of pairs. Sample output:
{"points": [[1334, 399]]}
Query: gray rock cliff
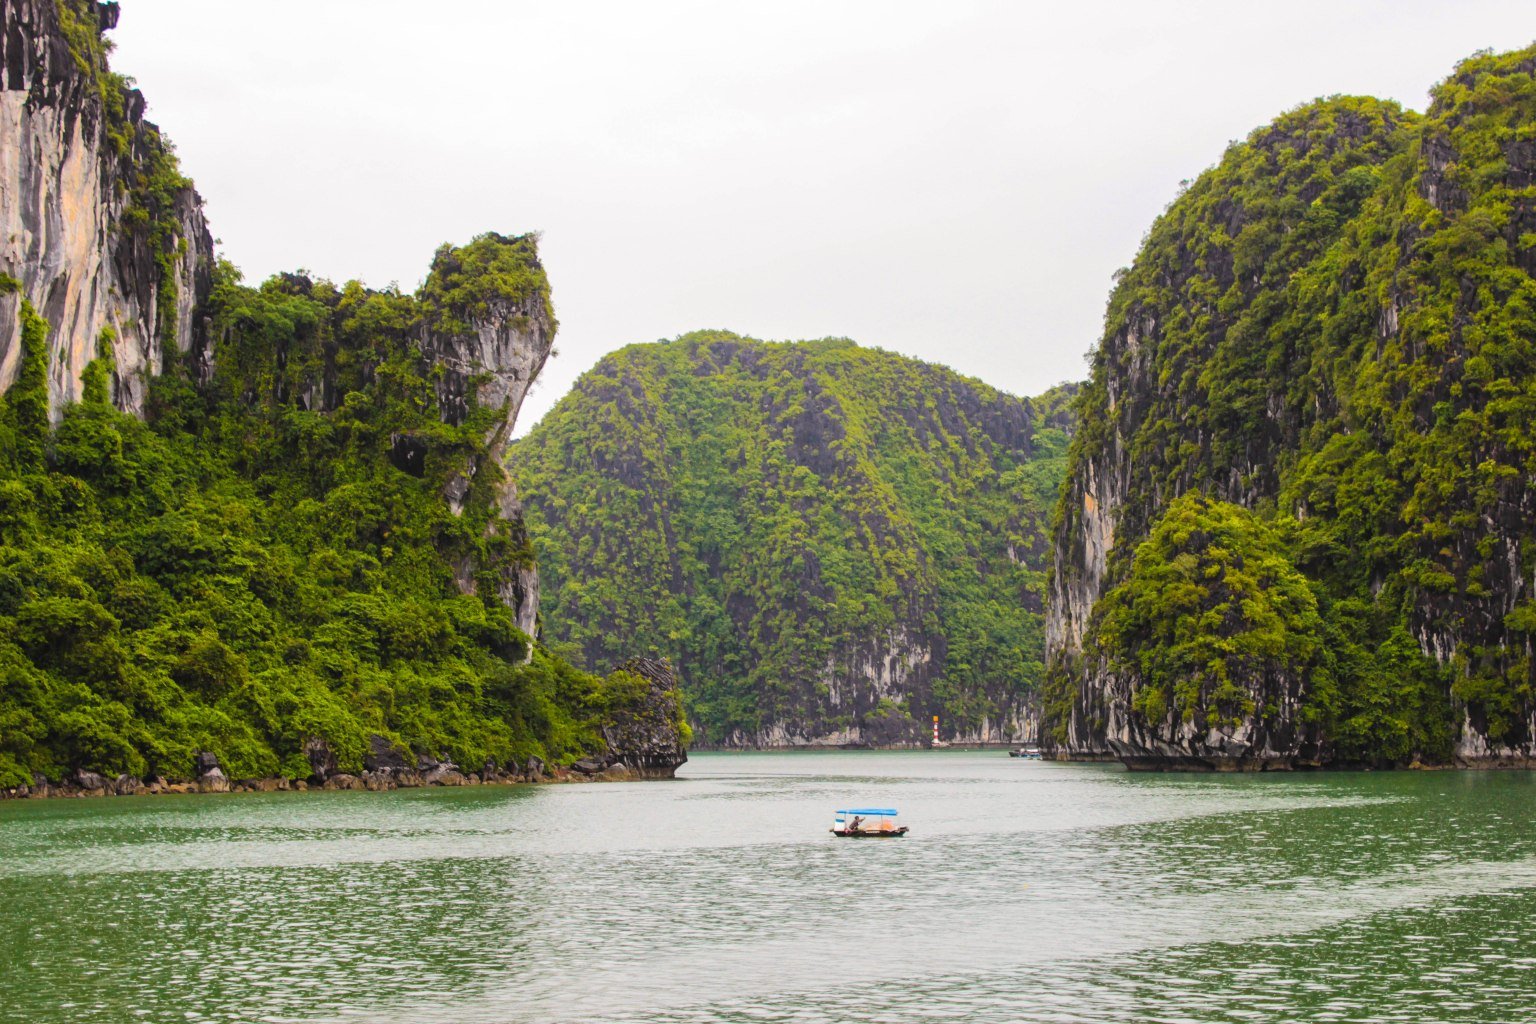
{"points": [[1321, 331], [647, 736], [97, 227], [489, 334]]}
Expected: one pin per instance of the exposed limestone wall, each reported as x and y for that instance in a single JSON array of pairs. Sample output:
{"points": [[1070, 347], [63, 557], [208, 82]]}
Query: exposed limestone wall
{"points": [[1148, 441], [647, 738], [488, 359], [499, 358], [1232, 362], [517, 583], [902, 664], [66, 189]]}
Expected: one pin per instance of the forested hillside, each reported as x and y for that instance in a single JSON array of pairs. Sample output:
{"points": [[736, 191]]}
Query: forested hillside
{"points": [[1298, 528], [244, 572], [832, 543], [267, 523]]}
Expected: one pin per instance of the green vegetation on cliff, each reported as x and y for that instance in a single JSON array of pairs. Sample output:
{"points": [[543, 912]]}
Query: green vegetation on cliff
{"points": [[827, 540], [149, 172], [252, 568], [1211, 605], [1336, 328]]}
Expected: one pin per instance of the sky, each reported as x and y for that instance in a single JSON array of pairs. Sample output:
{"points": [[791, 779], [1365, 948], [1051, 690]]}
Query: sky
{"points": [[953, 181]]}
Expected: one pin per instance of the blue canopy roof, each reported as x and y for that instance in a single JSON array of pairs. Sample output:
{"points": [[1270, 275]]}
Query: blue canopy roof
{"points": [[869, 810]]}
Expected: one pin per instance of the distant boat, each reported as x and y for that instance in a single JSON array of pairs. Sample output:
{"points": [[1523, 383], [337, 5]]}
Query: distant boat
{"points": [[1028, 753], [868, 823]]}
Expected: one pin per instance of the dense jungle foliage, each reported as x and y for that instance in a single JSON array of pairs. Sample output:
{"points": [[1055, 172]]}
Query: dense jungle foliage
{"points": [[248, 568], [1336, 328], [1211, 605], [820, 536]]}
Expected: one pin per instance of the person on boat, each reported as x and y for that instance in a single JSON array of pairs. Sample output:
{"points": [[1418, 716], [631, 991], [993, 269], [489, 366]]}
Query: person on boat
{"points": [[853, 826]]}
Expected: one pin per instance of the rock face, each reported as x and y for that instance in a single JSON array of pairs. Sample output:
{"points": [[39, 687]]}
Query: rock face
{"points": [[90, 782], [210, 777], [488, 343], [487, 334], [215, 781], [103, 235], [831, 543], [1297, 339], [383, 756], [322, 760], [646, 737]]}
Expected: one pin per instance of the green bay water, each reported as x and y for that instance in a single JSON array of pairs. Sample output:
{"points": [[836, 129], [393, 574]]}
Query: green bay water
{"points": [[1026, 891]]}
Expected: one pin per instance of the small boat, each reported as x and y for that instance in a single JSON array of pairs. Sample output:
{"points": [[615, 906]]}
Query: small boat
{"points": [[868, 823], [1028, 753]]}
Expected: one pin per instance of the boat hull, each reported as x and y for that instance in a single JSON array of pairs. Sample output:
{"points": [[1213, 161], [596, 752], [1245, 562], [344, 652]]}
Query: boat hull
{"points": [[895, 833]]}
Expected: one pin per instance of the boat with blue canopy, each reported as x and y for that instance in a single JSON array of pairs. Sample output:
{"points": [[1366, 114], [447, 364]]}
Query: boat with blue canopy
{"points": [[867, 823]]}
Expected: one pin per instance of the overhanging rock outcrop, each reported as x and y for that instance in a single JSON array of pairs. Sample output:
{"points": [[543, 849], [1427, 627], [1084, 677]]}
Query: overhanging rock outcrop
{"points": [[647, 736], [488, 331]]}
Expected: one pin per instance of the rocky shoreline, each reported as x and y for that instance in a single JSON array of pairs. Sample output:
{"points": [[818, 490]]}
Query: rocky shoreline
{"points": [[643, 741], [743, 748], [433, 773], [385, 767], [1244, 766]]}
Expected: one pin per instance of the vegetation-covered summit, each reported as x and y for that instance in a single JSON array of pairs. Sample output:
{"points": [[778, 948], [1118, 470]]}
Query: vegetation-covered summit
{"points": [[1334, 328], [267, 523], [832, 543], [251, 568]]}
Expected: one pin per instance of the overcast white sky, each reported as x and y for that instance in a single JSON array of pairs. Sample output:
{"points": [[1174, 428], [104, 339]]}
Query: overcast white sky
{"points": [[955, 181]]}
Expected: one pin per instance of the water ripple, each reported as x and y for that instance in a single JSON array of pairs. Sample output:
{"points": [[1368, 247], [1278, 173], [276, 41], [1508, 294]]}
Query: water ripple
{"points": [[1026, 892]]}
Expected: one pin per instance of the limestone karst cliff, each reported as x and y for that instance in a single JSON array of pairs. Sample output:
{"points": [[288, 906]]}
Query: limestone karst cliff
{"points": [[646, 732], [487, 331], [1297, 524], [101, 233], [242, 524], [476, 334], [831, 543]]}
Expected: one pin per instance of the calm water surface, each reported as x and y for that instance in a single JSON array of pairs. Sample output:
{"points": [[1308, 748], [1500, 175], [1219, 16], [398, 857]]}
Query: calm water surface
{"points": [[1026, 892]]}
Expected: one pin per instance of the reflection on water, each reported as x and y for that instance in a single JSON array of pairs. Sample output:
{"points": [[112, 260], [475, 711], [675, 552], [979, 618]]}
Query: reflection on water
{"points": [[1027, 891]]}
